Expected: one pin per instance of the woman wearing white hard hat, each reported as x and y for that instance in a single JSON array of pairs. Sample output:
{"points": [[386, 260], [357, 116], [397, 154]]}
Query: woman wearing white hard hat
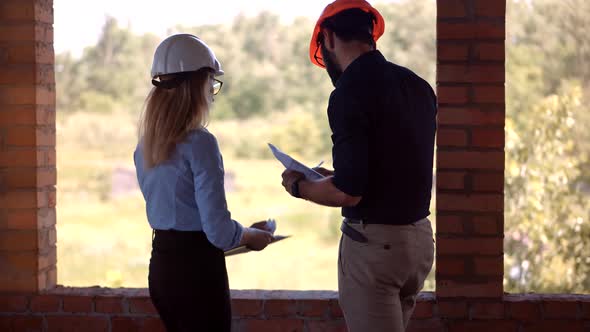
{"points": [[180, 172]]}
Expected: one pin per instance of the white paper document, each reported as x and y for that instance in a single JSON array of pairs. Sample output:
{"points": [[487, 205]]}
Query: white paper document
{"points": [[271, 226], [244, 249], [294, 165]]}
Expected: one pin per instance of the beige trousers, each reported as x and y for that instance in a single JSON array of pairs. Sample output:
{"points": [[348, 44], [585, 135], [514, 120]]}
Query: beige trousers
{"points": [[378, 281]]}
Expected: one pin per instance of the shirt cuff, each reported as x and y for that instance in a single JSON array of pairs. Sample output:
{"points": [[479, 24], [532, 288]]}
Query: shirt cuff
{"points": [[238, 235]]}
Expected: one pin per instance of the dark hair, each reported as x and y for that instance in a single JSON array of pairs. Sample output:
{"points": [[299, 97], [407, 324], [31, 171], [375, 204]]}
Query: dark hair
{"points": [[352, 25]]}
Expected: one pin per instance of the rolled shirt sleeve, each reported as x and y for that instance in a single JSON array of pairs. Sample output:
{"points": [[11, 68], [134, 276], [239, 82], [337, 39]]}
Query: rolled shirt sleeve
{"points": [[207, 167], [350, 151]]}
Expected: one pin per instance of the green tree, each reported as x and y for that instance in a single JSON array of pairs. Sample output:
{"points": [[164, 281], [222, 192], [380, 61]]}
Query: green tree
{"points": [[113, 74], [409, 38], [547, 241], [547, 146]]}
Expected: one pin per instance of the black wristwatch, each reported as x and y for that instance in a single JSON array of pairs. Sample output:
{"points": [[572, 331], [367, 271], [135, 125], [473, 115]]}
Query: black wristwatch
{"points": [[295, 189]]}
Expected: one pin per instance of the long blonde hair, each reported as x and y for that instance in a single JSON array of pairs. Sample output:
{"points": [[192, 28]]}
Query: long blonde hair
{"points": [[170, 114]]}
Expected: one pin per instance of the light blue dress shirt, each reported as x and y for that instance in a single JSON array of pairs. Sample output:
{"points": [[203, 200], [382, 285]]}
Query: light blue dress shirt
{"points": [[186, 192]]}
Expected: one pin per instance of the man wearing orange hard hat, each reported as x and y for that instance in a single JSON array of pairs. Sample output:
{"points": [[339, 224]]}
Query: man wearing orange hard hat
{"points": [[383, 122]]}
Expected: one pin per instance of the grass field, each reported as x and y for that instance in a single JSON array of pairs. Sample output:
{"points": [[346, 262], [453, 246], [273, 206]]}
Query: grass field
{"points": [[106, 241]]}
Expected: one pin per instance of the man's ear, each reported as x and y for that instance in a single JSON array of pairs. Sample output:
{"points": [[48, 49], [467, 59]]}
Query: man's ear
{"points": [[329, 39]]}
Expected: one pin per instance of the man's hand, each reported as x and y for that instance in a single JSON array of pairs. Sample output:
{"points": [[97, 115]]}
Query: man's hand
{"points": [[323, 171], [320, 191], [290, 177]]}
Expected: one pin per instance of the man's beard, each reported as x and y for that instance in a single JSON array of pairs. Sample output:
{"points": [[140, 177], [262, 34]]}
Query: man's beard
{"points": [[333, 69]]}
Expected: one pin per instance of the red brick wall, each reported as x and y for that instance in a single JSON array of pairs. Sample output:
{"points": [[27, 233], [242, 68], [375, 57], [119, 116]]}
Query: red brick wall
{"points": [[130, 310], [27, 146], [470, 143], [470, 180]]}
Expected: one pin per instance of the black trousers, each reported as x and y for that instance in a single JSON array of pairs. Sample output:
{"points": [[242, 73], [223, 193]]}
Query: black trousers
{"points": [[188, 282]]}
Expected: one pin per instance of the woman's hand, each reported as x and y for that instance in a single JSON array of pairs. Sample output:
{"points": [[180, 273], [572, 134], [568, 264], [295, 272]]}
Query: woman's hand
{"points": [[261, 225], [256, 239]]}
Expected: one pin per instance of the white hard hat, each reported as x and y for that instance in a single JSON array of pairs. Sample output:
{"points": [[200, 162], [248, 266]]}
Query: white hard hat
{"points": [[183, 53]]}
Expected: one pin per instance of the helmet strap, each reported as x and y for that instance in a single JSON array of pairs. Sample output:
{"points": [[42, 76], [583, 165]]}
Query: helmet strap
{"points": [[171, 83]]}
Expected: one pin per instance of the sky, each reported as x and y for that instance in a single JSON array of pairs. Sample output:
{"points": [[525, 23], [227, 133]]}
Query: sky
{"points": [[78, 22]]}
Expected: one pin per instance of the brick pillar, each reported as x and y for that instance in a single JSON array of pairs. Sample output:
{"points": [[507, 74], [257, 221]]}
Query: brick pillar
{"points": [[470, 156], [27, 146]]}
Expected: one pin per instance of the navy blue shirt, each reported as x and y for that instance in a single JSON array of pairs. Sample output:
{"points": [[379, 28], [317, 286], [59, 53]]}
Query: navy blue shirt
{"points": [[383, 121]]}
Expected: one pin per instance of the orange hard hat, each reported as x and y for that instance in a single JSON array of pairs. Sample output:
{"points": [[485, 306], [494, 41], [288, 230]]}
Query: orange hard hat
{"points": [[337, 7]]}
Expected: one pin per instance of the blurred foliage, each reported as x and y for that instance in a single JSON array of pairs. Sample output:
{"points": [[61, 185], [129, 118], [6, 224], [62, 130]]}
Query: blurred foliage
{"points": [[547, 147], [548, 236], [108, 75], [272, 93]]}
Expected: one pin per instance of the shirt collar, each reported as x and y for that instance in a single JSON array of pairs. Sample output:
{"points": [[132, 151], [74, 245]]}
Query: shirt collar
{"points": [[359, 64]]}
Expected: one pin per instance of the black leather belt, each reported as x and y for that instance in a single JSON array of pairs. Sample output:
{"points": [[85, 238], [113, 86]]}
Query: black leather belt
{"points": [[352, 233], [356, 221], [373, 221]]}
